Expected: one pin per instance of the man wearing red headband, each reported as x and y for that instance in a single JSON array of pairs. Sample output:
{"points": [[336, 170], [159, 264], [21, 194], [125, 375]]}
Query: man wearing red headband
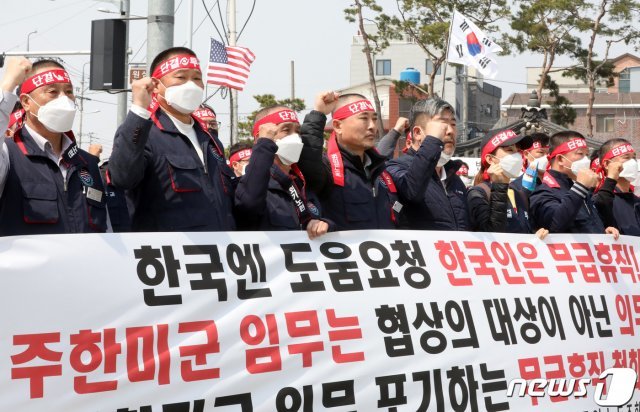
{"points": [[272, 194], [205, 114], [49, 185], [173, 169], [562, 203], [350, 179], [535, 163], [239, 156], [614, 199], [433, 195]]}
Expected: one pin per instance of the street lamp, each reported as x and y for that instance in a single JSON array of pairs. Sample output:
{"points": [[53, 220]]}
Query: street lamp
{"points": [[29, 35]]}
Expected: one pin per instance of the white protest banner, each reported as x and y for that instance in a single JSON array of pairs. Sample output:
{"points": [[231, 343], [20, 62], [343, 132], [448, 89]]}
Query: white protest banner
{"points": [[362, 320]]}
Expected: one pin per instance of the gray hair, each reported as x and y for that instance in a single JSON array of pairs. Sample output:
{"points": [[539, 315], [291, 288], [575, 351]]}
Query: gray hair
{"points": [[429, 108]]}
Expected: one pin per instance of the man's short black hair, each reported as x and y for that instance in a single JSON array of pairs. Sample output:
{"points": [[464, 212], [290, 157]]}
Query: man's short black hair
{"points": [[562, 137], [236, 147], [542, 138], [172, 51]]}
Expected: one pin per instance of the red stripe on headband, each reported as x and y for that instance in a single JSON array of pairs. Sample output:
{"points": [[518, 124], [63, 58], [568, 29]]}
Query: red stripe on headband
{"points": [[618, 151], [43, 79], [16, 117], [569, 146], [204, 113], [353, 109], [240, 155], [282, 116], [595, 165], [497, 141], [180, 61], [538, 145]]}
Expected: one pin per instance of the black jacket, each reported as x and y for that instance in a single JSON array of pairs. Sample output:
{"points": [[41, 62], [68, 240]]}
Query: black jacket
{"points": [[567, 208], [435, 205], [170, 188], [262, 203], [618, 209], [364, 202], [37, 200], [493, 211]]}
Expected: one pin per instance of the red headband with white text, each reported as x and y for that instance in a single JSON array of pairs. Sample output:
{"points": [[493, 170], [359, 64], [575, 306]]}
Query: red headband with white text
{"points": [[281, 116], [240, 155], [177, 62], [43, 79], [569, 146]]}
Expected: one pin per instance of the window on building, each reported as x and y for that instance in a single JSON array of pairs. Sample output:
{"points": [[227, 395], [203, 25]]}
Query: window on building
{"points": [[604, 123], [624, 81], [429, 68], [383, 67]]}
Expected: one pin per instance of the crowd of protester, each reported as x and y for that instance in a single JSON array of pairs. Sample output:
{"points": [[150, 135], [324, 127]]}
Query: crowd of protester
{"points": [[168, 170]]}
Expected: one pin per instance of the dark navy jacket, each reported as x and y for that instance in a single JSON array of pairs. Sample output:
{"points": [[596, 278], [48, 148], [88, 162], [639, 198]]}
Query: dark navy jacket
{"points": [[490, 209], [618, 209], [437, 206], [363, 202], [117, 205], [37, 200], [564, 209], [261, 201], [168, 185]]}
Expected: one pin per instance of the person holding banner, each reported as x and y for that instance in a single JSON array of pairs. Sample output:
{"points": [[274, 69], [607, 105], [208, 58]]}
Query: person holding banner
{"points": [[351, 181], [535, 163], [239, 156], [563, 203], [614, 198], [427, 182], [494, 204], [174, 170], [47, 183], [272, 194]]}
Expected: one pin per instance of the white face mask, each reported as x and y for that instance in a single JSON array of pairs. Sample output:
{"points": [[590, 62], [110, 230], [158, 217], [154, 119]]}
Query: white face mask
{"points": [[185, 98], [630, 170], [511, 165], [581, 164], [466, 180], [289, 149], [57, 115], [541, 163], [444, 158], [244, 170]]}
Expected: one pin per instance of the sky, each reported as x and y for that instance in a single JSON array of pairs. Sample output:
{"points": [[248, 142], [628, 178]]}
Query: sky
{"points": [[314, 34]]}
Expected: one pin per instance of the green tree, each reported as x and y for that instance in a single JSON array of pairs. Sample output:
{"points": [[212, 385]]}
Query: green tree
{"points": [[561, 111], [373, 43], [545, 27], [266, 100], [609, 22], [427, 23]]}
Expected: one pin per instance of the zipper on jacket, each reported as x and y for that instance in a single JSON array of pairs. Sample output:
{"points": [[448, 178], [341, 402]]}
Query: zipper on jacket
{"points": [[205, 158]]}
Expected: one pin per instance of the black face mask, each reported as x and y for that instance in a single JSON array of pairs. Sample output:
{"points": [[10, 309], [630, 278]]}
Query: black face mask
{"points": [[213, 132]]}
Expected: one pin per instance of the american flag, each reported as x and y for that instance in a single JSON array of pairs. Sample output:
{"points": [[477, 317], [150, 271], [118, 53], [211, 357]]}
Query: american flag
{"points": [[229, 65]]}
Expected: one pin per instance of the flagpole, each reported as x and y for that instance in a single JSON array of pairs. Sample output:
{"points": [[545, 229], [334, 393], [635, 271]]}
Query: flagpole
{"points": [[446, 60]]}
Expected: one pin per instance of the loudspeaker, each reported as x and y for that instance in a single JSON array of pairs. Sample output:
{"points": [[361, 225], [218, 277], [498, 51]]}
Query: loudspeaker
{"points": [[108, 51]]}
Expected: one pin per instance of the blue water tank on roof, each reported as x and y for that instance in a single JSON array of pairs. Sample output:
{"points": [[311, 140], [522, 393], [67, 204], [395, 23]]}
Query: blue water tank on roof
{"points": [[410, 75]]}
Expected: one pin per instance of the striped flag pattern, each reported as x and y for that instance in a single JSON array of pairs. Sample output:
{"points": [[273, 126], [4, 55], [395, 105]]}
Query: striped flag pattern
{"points": [[229, 65]]}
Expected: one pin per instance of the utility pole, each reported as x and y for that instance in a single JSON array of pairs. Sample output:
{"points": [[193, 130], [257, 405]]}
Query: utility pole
{"points": [[231, 23], [123, 97], [190, 25], [465, 105], [160, 19], [81, 105], [293, 81]]}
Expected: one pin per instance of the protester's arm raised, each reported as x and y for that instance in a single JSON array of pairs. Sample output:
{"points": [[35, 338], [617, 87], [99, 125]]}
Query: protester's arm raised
{"points": [[129, 156], [15, 73]]}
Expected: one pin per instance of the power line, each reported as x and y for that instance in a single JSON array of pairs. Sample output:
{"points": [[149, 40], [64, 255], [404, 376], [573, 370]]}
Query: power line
{"points": [[205, 17], [247, 21], [224, 29], [224, 40]]}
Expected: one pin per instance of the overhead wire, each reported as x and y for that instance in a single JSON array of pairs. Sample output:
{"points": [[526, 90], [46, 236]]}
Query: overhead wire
{"points": [[247, 20], [222, 38]]}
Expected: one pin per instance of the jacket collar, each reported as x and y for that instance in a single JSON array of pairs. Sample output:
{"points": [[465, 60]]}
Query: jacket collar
{"points": [[354, 161]]}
